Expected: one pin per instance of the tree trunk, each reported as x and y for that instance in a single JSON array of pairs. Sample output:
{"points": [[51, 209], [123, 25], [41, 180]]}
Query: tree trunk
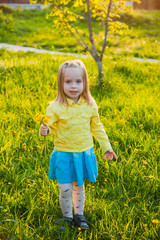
{"points": [[100, 73]]}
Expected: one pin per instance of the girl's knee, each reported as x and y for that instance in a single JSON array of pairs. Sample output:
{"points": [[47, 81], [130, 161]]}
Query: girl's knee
{"points": [[65, 189], [78, 188]]}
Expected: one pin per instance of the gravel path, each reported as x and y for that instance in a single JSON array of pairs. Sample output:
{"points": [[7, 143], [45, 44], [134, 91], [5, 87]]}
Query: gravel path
{"points": [[16, 48]]}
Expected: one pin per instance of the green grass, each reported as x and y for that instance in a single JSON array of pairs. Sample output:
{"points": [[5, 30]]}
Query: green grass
{"points": [[125, 199], [31, 28]]}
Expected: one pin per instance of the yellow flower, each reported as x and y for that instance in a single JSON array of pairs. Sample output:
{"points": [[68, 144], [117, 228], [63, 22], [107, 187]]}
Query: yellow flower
{"points": [[46, 120], [79, 229], [37, 115], [136, 150], [105, 180], [150, 177], [9, 183], [34, 184], [3, 194], [40, 194], [126, 205], [93, 186], [39, 147], [155, 221], [39, 118], [38, 121], [145, 163], [145, 225], [88, 185]]}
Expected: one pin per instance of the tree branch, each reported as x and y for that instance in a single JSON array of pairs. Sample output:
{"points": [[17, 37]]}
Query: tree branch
{"points": [[86, 47], [81, 43], [95, 54], [106, 29]]}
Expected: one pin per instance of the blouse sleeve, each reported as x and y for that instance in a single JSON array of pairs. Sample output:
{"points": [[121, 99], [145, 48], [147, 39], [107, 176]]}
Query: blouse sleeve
{"points": [[52, 116], [98, 131]]}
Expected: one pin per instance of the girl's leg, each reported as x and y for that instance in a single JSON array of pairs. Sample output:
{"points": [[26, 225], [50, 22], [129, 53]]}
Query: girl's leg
{"points": [[78, 198], [65, 197]]}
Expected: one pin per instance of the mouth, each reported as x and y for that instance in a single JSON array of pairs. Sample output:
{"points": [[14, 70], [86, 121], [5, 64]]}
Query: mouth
{"points": [[74, 92]]}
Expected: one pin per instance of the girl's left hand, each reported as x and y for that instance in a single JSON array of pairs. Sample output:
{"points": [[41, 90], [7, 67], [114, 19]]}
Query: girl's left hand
{"points": [[110, 154]]}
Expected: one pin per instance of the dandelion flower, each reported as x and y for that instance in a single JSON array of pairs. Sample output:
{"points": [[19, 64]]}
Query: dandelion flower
{"points": [[126, 205], [9, 183], [136, 150], [145, 163], [155, 221], [39, 118], [46, 120], [105, 180], [38, 121], [79, 229], [151, 177]]}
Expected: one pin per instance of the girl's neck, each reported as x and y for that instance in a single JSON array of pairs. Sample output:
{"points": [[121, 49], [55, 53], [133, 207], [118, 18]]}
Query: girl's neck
{"points": [[75, 100]]}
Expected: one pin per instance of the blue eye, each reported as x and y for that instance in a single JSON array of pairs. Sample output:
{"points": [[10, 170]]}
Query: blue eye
{"points": [[68, 81], [78, 81]]}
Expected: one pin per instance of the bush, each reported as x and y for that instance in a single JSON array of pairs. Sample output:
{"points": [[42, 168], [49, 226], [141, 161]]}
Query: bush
{"points": [[6, 22], [5, 9]]}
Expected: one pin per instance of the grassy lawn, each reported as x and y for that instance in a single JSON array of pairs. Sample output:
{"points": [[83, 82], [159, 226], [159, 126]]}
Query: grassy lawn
{"points": [[31, 28], [124, 201]]}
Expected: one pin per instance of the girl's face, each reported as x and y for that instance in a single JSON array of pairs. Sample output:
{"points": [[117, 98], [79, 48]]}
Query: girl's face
{"points": [[73, 83]]}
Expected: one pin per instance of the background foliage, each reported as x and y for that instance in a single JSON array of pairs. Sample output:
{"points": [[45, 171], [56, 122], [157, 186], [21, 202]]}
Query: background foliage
{"points": [[124, 202]]}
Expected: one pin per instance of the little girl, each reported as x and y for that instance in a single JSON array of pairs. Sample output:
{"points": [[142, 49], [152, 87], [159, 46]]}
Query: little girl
{"points": [[74, 118]]}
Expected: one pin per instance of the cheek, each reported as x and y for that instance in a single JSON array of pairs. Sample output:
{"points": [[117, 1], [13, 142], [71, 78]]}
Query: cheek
{"points": [[65, 87], [82, 86]]}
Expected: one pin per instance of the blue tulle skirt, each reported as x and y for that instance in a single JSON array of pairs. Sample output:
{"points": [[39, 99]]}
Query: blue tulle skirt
{"points": [[66, 167]]}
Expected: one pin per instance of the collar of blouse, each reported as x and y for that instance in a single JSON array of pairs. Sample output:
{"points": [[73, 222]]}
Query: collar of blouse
{"points": [[71, 102]]}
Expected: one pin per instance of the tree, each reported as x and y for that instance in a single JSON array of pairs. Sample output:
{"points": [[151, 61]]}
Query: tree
{"points": [[65, 16]]}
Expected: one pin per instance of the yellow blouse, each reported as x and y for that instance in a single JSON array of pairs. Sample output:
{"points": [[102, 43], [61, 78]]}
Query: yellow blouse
{"points": [[75, 125]]}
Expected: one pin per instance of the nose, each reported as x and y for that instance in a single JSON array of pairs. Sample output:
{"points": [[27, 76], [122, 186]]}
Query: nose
{"points": [[74, 85]]}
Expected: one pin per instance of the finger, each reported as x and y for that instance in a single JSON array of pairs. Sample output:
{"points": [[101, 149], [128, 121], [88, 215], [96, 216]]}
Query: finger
{"points": [[115, 156], [110, 158], [105, 155]]}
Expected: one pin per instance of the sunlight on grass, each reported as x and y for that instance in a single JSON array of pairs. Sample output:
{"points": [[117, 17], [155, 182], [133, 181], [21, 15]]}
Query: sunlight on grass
{"points": [[124, 202]]}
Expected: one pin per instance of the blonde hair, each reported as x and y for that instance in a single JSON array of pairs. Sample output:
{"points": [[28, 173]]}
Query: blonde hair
{"points": [[61, 96]]}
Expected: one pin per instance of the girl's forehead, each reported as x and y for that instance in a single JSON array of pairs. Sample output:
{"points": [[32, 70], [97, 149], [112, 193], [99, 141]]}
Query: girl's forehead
{"points": [[72, 72]]}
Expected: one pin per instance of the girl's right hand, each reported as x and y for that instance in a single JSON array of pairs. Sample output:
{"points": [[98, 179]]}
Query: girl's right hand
{"points": [[44, 130]]}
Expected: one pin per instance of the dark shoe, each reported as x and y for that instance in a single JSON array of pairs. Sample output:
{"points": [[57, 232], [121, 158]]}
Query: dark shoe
{"points": [[81, 221], [65, 221]]}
